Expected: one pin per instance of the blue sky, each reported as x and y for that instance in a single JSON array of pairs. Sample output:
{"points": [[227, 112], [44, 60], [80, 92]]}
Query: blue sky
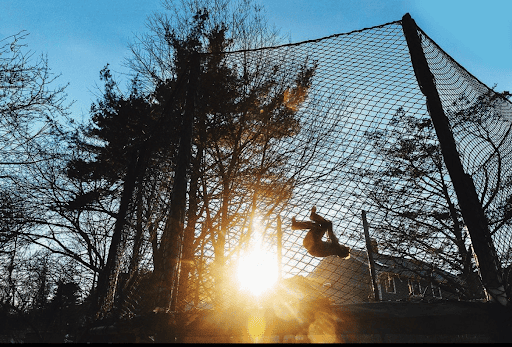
{"points": [[81, 37]]}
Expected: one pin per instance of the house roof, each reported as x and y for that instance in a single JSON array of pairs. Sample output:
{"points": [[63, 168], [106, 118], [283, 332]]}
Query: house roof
{"points": [[411, 268], [403, 267]]}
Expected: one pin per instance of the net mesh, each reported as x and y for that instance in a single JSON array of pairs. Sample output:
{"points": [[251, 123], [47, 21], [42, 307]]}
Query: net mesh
{"points": [[480, 123], [366, 143]]}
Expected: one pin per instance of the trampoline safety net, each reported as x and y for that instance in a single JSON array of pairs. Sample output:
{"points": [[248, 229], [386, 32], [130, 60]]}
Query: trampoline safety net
{"points": [[357, 142]]}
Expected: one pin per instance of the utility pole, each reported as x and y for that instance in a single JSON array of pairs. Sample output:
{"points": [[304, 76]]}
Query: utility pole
{"points": [[279, 248], [371, 262]]}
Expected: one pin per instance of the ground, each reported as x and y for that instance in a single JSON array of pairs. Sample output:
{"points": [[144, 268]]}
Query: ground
{"points": [[443, 321], [318, 321]]}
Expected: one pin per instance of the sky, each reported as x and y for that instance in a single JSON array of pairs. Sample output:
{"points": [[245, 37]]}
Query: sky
{"points": [[81, 37]]}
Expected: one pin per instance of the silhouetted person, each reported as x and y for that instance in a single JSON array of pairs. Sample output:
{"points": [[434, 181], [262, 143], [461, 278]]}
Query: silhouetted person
{"points": [[313, 240]]}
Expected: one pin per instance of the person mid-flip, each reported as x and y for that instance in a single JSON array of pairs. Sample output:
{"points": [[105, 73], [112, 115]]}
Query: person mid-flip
{"points": [[313, 240]]}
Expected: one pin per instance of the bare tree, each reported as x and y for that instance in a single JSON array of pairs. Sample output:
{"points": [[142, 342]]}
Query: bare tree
{"points": [[30, 103], [238, 118], [484, 126], [414, 195], [421, 218]]}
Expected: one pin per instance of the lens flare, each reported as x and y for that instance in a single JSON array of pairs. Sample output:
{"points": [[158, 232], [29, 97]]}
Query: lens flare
{"points": [[322, 329], [256, 327]]}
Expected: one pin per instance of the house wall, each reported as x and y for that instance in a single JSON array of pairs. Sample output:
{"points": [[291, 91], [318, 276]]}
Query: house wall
{"points": [[348, 281], [402, 289]]}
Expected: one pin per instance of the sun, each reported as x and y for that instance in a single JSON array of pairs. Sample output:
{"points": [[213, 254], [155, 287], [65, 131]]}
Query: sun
{"points": [[257, 269]]}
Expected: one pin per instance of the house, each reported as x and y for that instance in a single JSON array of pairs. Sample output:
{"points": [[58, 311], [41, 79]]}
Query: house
{"points": [[348, 281]]}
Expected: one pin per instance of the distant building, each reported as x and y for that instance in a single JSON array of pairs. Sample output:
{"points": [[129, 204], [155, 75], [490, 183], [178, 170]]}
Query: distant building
{"points": [[348, 281]]}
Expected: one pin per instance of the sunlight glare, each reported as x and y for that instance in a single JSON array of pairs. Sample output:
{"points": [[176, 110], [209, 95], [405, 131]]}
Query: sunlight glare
{"points": [[257, 269]]}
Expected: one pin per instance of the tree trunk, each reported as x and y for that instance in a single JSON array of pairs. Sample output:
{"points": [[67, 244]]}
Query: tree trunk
{"points": [[105, 289], [166, 269], [189, 232]]}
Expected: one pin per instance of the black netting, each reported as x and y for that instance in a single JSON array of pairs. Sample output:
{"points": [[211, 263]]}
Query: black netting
{"points": [[480, 121], [361, 80], [366, 143]]}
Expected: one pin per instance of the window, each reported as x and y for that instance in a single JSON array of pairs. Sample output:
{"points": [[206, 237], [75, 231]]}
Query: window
{"points": [[436, 291], [386, 284], [389, 284], [415, 288]]}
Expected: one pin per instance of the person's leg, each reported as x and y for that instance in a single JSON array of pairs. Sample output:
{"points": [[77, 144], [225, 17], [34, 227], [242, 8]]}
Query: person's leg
{"points": [[313, 240], [315, 217], [324, 223], [334, 247], [296, 225]]}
